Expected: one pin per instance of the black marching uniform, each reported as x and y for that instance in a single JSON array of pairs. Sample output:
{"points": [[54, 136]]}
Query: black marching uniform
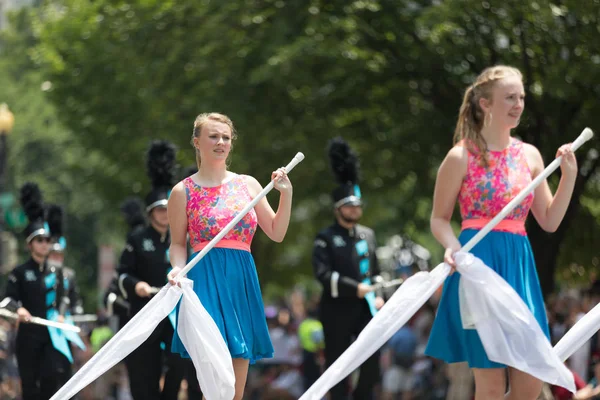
{"points": [[342, 258], [115, 296], [117, 307], [336, 262], [145, 259], [43, 353], [42, 367]]}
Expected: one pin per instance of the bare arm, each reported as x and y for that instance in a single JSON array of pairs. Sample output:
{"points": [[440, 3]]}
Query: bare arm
{"points": [[447, 186], [550, 210], [586, 393], [274, 225], [178, 227]]}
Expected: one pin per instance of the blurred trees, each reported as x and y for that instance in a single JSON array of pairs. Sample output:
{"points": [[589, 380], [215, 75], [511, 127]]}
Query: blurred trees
{"points": [[43, 150]]}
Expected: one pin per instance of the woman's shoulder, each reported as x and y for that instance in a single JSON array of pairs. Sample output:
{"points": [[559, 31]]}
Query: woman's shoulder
{"points": [[248, 179], [532, 156], [180, 186], [455, 163], [458, 155], [529, 150], [528, 147], [254, 187], [179, 190]]}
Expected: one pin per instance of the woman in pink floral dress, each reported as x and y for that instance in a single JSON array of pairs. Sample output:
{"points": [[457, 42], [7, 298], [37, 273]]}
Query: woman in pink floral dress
{"points": [[484, 171], [225, 280]]}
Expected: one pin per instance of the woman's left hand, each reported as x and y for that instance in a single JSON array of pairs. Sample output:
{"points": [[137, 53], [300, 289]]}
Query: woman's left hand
{"points": [[281, 181], [568, 165]]}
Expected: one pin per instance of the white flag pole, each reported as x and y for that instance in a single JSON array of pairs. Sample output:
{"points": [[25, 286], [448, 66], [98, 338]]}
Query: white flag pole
{"points": [[40, 321]]}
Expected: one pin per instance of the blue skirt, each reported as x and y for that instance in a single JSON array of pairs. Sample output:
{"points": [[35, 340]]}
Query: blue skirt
{"points": [[511, 257], [226, 283]]}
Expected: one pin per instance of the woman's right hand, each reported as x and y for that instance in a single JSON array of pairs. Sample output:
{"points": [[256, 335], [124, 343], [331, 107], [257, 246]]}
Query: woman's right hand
{"points": [[23, 314], [172, 274], [142, 289], [363, 289], [449, 258]]}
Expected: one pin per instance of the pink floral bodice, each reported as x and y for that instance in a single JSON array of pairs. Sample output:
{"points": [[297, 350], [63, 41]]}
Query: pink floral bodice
{"points": [[210, 209], [485, 191]]}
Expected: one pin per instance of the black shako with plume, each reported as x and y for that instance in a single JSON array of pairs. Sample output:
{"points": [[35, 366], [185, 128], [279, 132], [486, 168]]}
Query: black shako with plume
{"points": [[133, 212], [345, 166], [161, 169], [31, 200], [56, 219]]}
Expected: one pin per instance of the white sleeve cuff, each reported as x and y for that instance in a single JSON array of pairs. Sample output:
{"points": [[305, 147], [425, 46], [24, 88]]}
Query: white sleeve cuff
{"points": [[335, 277], [121, 287]]}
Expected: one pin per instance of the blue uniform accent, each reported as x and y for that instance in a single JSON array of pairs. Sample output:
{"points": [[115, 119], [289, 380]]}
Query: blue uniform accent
{"points": [[50, 281], [362, 247], [50, 298], [357, 191], [60, 337], [173, 318]]}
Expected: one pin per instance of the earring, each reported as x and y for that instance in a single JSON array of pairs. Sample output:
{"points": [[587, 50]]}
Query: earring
{"points": [[487, 122]]}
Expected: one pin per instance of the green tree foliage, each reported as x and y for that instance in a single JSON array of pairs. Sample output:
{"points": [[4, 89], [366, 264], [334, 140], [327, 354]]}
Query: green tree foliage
{"points": [[387, 75], [43, 150]]}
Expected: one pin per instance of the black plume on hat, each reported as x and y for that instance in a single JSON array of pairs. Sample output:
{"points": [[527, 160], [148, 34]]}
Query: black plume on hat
{"points": [[345, 166], [344, 162], [133, 212], [161, 169], [160, 163], [31, 201], [30, 198], [55, 218]]}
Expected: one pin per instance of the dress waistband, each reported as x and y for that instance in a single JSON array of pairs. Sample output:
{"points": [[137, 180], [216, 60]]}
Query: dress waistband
{"points": [[506, 225], [224, 244]]}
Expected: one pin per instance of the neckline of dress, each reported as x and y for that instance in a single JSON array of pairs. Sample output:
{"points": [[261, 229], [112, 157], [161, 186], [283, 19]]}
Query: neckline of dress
{"points": [[214, 187], [510, 144]]}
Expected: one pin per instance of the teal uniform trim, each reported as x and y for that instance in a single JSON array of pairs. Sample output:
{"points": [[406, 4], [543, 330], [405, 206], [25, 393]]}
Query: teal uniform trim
{"points": [[50, 281], [173, 317], [362, 247], [60, 337]]}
